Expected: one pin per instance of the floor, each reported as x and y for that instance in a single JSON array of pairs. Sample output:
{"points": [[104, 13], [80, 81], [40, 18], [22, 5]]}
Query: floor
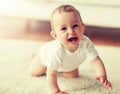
{"points": [[16, 56]]}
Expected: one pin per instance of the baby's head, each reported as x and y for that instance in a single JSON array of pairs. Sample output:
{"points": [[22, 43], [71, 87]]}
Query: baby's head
{"points": [[67, 26], [61, 9]]}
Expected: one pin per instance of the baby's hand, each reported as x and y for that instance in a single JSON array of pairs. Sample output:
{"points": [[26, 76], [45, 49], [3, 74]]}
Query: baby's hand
{"points": [[103, 80], [62, 92]]}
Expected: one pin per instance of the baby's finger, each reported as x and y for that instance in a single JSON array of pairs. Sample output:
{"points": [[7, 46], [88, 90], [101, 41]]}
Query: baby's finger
{"points": [[108, 84], [100, 80], [97, 78], [105, 83]]}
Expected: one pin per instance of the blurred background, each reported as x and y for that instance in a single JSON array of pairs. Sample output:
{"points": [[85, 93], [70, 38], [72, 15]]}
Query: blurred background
{"points": [[29, 19]]}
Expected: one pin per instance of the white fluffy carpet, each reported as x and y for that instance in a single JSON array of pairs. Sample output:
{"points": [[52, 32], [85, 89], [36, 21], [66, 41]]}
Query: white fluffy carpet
{"points": [[15, 57]]}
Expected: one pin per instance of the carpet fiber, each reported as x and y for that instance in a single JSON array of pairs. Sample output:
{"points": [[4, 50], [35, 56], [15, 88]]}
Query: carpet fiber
{"points": [[15, 57]]}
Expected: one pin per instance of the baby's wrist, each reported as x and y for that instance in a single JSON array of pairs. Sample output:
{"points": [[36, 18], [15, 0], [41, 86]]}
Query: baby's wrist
{"points": [[55, 91], [102, 76]]}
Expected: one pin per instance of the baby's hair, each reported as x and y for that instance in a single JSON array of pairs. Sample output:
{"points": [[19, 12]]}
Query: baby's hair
{"points": [[64, 8]]}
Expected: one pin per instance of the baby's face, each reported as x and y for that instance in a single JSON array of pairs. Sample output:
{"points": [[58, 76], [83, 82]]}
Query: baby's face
{"points": [[68, 29]]}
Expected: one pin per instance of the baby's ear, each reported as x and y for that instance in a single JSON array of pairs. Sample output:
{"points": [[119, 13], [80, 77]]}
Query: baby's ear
{"points": [[53, 34], [84, 27]]}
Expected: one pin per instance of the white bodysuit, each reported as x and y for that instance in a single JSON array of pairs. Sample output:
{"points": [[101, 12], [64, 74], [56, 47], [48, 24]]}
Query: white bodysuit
{"points": [[56, 57]]}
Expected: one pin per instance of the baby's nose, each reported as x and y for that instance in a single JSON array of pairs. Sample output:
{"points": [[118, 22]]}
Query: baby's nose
{"points": [[71, 31]]}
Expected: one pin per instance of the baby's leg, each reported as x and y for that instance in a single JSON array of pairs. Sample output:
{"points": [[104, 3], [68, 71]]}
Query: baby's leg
{"points": [[71, 74], [36, 67]]}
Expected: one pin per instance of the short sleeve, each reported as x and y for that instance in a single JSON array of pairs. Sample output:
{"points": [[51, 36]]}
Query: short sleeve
{"points": [[90, 50], [54, 61], [50, 55]]}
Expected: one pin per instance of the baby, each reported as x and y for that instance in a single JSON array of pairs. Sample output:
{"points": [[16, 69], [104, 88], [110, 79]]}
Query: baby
{"points": [[67, 51]]}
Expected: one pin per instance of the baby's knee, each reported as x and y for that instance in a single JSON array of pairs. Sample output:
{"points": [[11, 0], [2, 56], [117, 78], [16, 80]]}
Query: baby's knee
{"points": [[72, 74], [36, 74]]}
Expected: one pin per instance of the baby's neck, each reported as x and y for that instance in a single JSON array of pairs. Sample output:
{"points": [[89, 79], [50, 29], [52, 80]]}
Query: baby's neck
{"points": [[72, 49]]}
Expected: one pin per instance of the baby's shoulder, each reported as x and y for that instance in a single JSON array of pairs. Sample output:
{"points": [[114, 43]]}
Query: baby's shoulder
{"points": [[85, 42], [52, 47], [85, 39]]}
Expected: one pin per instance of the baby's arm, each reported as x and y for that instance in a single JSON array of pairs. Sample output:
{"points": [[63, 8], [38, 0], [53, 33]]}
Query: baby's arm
{"points": [[101, 72], [52, 82]]}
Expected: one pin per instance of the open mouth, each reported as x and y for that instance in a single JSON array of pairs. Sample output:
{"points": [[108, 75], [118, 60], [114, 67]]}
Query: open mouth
{"points": [[73, 39]]}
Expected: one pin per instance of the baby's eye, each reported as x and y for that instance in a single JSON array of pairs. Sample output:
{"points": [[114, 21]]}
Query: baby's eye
{"points": [[63, 28], [75, 25]]}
